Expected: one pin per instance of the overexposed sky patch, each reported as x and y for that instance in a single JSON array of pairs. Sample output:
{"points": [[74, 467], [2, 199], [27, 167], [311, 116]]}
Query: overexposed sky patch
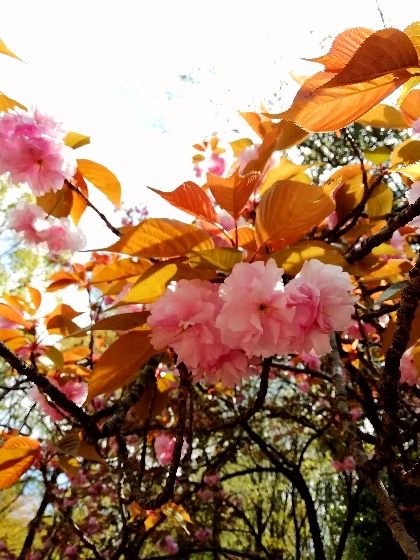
{"points": [[112, 70]]}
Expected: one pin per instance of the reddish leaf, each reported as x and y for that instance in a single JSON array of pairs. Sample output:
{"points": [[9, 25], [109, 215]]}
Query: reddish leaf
{"points": [[192, 199], [232, 193]]}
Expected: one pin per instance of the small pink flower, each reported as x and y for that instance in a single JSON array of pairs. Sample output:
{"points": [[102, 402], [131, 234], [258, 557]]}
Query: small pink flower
{"points": [[24, 219], [60, 237], [32, 150], [203, 535], [212, 479], [213, 163], [408, 369], [205, 494], [304, 386], [164, 448], [168, 545], [74, 390], [310, 360], [349, 464], [416, 126], [356, 414]]}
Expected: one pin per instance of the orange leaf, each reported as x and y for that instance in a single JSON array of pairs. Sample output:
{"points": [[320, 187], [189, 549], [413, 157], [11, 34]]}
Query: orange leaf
{"points": [[343, 48], [35, 296], [254, 121], [327, 109], [384, 52], [79, 203], [57, 204], [7, 103], [120, 322], [192, 199], [13, 315], [17, 455], [232, 193], [407, 152], [112, 372], [290, 209], [162, 238]]}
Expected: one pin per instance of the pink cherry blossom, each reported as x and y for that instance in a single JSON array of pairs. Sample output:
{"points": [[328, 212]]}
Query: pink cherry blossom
{"points": [[256, 315], [203, 535], [184, 318], [416, 126], [35, 227], [356, 414], [75, 391], [168, 545], [348, 464], [213, 163], [322, 303], [164, 445], [32, 150], [25, 218], [408, 369], [311, 360], [212, 479]]}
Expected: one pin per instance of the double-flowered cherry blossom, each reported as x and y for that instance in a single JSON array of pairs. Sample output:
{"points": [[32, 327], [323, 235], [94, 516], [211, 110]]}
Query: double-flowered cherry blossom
{"points": [[75, 391], [32, 150], [56, 235], [218, 330]]}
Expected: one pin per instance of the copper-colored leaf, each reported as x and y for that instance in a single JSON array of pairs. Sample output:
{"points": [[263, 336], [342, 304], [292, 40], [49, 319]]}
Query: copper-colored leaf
{"points": [[348, 195], [111, 372], [384, 116], [102, 178], [192, 199], [380, 202], [120, 322], [330, 108], [57, 204], [35, 296], [384, 52], [254, 121], [79, 202], [343, 48], [121, 270], [17, 455], [291, 209], [162, 238], [232, 193], [284, 169]]}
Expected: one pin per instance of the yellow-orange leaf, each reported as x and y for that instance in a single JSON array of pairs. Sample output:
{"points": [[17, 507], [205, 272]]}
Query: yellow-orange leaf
{"points": [[102, 178], [75, 140], [17, 455], [222, 258], [35, 296], [292, 258], [254, 121], [120, 270], [8, 52], [284, 169], [384, 52], [382, 269], [162, 238], [406, 152], [412, 171], [383, 116], [343, 48], [112, 372], [413, 33], [192, 199], [69, 465], [232, 193], [380, 203], [7, 103], [79, 202], [348, 195], [410, 107], [290, 209], [327, 108]]}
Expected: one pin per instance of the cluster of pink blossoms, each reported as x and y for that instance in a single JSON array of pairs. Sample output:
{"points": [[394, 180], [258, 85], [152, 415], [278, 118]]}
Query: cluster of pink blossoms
{"points": [[33, 224], [32, 150], [218, 331]]}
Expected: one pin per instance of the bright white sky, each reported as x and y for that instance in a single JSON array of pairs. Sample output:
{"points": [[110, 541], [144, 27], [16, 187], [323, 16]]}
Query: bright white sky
{"points": [[111, 70]]}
